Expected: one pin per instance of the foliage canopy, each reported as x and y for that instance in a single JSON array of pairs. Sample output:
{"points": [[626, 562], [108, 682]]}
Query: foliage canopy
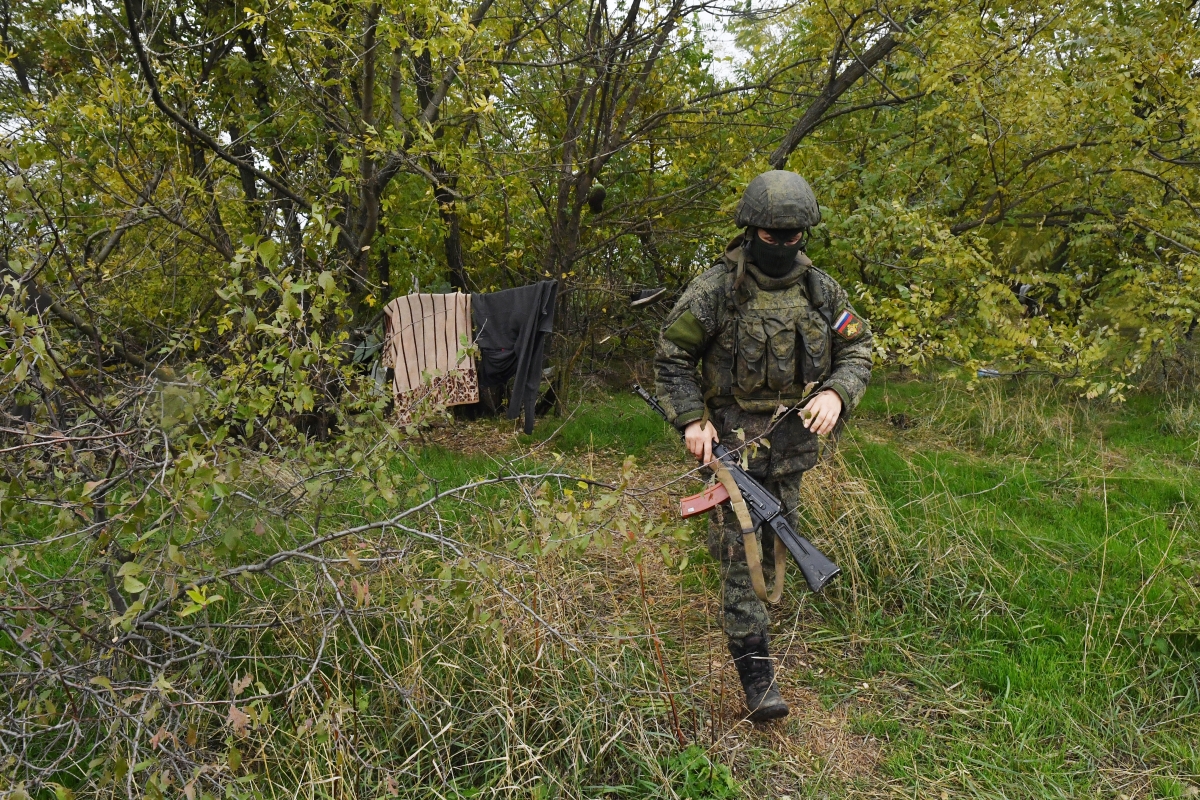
{"points": [[1008, 183]]}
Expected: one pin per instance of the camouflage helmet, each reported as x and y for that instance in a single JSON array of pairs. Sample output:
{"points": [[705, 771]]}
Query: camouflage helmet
{"points": [[778, 200]]}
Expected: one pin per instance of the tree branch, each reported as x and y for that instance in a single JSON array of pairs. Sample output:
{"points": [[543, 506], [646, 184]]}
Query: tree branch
{"points": [[43, 300], [193, 129], [429, 114], [128, 221], [833, 90]]}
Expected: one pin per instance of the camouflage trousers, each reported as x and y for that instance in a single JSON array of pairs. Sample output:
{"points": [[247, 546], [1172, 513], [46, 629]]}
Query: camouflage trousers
{"points": [[743, 614]]}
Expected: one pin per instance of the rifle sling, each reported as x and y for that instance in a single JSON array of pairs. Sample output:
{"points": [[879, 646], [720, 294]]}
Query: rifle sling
{"points": [[781, 559], [750, 540]]}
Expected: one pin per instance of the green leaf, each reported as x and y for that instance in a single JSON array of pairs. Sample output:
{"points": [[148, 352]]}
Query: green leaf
{"points": [[326, 282]]}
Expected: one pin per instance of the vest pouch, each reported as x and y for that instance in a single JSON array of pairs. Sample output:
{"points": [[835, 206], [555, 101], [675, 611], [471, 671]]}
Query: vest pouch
{"points": [[818, 351], [781, 354], [750, 369]]}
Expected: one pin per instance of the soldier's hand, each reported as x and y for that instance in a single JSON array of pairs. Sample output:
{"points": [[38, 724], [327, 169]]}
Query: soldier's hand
{"points": [[822, 412], [700, 439]]}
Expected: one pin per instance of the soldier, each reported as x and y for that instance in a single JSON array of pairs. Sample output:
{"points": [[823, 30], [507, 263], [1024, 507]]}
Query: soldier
{"points": [[756, 333]]}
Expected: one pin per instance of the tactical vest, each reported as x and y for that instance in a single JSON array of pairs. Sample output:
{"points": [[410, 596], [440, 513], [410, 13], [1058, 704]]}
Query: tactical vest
{"points": [[772, 346]]}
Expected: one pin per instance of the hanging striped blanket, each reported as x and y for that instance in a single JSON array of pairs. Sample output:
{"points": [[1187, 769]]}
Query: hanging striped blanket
{"points": [[425, 338]]}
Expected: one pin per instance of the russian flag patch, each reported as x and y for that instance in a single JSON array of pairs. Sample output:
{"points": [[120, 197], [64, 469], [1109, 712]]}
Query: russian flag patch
{"points": [[849, 326]]}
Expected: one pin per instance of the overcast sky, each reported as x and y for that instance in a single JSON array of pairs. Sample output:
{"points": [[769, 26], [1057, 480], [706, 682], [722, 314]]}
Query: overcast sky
{"points": [[720, 42]]}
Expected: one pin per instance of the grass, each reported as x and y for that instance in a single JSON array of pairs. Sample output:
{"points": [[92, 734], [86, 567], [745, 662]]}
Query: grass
{"points": [[1054, 652], [1019, 617], [1021, 597]]}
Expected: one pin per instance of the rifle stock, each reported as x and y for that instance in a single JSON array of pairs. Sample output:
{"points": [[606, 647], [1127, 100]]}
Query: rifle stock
{"points": [[766, 509]]}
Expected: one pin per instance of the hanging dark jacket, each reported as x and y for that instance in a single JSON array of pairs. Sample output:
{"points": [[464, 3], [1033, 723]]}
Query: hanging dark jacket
{"points": [[511, 329]]}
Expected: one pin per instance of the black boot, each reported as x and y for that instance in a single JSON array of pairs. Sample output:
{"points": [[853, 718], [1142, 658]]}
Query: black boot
{"points": [[757, 672]]}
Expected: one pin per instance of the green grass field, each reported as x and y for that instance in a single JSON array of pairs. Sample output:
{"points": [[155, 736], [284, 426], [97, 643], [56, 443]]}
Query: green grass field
{"points": [[1031, 624], [1058, 655]]}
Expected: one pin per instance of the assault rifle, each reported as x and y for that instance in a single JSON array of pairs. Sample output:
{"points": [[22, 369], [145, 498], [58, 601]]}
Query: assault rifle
{"points": [[764, 508]]}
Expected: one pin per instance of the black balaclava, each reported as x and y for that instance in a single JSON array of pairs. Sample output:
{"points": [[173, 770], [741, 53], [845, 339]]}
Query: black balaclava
{"points": [[775, 260]]}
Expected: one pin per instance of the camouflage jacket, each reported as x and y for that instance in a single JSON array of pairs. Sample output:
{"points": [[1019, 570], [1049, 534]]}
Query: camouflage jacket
{"points": [[759, 342]]}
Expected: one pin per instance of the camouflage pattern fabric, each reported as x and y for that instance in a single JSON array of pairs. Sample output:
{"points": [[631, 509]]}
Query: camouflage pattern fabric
{"points": [[696, 358], [702, 361], [770, 449], [743, 614], [778, 199]]}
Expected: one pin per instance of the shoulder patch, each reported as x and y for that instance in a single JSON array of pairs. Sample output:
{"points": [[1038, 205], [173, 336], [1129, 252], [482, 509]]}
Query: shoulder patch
{"points": [[849, 326], [687, 333]]}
